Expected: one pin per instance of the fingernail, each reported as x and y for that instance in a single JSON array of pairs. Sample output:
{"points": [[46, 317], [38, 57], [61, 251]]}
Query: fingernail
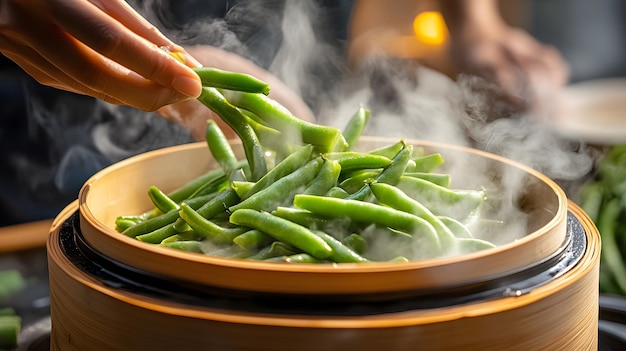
{"points": [[187, 86]]}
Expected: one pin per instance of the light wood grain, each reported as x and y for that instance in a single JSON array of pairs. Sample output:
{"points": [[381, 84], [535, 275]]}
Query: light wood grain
{"points": [[561, 315]]}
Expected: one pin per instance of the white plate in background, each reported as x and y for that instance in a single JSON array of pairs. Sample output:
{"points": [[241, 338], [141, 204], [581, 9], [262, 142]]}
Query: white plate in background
{"points": [[594, 111]]}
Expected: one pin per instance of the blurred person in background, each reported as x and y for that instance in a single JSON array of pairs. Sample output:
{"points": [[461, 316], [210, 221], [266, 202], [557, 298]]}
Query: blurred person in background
{"points": [[54, 135]]}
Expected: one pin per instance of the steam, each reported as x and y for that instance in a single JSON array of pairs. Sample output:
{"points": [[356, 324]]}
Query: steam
{"points": [[408, 101], [290, 39], [69, 138]]}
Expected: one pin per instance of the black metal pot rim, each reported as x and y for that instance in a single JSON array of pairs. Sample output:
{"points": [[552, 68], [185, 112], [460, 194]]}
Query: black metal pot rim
{"points": [[116, 275]]}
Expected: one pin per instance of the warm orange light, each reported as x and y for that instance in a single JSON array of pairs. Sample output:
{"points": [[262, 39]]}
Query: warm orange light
{"points": [[430, 28]]}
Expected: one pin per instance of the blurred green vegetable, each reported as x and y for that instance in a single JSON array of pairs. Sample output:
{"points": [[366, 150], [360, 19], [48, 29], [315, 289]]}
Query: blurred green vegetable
{"points": [[604, 201]]}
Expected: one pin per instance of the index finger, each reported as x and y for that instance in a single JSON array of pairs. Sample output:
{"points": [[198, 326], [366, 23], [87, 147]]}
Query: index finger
{"points": [[106, 35]]}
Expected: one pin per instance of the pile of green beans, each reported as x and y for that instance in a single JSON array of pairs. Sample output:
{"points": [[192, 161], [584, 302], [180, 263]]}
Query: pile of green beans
{"points": [[310, 198], [604, 199]]}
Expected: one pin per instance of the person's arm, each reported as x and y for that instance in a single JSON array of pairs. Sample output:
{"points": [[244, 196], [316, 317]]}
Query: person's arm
{"points": [[99, 48], [482, 44]]}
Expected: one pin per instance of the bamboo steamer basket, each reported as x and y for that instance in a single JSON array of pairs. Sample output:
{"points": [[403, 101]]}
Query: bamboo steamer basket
{"points": [[121, 189], [343, 307], [92, 313]]}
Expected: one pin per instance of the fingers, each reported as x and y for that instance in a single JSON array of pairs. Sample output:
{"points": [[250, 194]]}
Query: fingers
{"points": [[47, 74], [112, 39], [126, 15], [77, 66]]}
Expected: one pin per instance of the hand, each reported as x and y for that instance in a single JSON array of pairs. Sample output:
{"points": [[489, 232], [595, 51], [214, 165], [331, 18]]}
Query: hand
{"points": [[509, 57], [101, 48], [193, 115], [482, 44]]}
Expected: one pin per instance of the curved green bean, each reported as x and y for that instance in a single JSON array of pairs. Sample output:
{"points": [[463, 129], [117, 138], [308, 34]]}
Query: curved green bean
{"points": [[283, 230]]}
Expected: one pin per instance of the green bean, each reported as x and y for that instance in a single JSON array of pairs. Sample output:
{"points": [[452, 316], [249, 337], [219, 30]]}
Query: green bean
{"points": [[158, 235], [372, 213], [357, 180], [283, 230], [242, 188], [252, 238], [11, 282], [185, 191], [10, 327], [268, 136], [208, 229], [610, 255], [160, 200], [220, 148], [350, 160], [591, 199], [218, 204], [441, 179], [7, 311], [293, 129], [217, 78], [428, 163], [296, 258], [353, 130], [165, 219], [355, 242], [303, 217], [182, 236], [325, 179], [410, 167], [337, 192], [390, 175], [187, 245], [389, 151], [341, 253], [281, 192], [459, 229], [401, 259], [290, 164], [255, 156], [275, 249], [442, 201], [123, 222], [210, 187], [469, 245], [393, 197]]}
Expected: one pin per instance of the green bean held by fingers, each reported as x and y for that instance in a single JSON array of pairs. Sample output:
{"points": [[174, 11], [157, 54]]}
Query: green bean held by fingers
{"points": [[220, 147], [283, 230], [255, 155], [295, 130], [217, 78]]}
